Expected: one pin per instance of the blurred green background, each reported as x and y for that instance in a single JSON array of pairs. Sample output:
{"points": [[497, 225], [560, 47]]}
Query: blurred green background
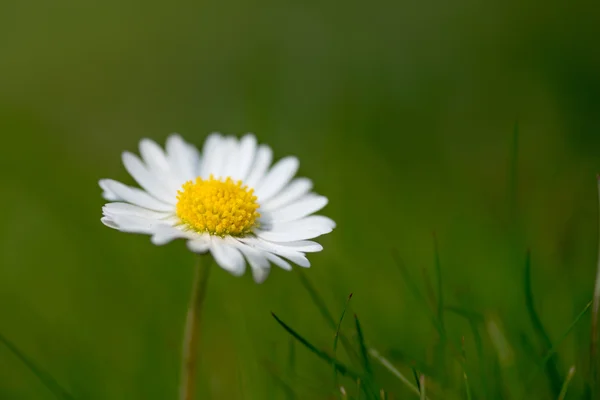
{"points": [[402, 113]]}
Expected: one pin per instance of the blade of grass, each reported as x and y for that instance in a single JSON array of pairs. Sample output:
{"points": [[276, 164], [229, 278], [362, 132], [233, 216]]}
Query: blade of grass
{"points": [[342, 369], [474, 319], [513, 177], [412, 286], [595, 310], [416, 376], [280, 380], [553, 350], [388, 365], [45, 378], [368, 384], [464, 365], [320, 303], [552, 372], [383, 394], [565, 386], [336, 337], [363, 348], [440, 295], [440, 348], [422, 385]]}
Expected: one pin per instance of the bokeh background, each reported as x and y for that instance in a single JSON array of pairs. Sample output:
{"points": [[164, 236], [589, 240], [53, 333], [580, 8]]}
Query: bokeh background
{"points": [[403, 114]]}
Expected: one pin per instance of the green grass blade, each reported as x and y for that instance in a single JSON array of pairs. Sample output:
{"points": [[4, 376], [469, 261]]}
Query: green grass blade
{"points": [[336, 337], [513, 177], [280, 381], [552, 372], [413, 287], [565, 386], [440, 294], [47, 380], [363, 348], [317, 299], [320, 303], [474, 319], [394, 371], [422, 395], [342, 369], [416, 376], [464, 365], [552, 351], [368, 388]]}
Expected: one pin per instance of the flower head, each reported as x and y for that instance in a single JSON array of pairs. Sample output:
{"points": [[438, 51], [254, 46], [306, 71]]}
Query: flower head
{"points": [[227, 200]]}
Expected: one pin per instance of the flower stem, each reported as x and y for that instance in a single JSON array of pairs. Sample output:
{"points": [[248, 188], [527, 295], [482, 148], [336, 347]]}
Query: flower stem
{"points": [[595, 309], [191, 336]]}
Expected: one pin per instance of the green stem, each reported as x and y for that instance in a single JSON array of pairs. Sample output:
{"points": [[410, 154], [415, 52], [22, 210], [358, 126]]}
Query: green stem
{"points": [[191, 336], [595, 307]]}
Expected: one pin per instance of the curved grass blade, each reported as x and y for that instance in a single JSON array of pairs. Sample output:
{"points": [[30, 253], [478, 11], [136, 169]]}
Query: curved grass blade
{"points": [[513, 178], [363, 348], [368, 384], [412, 286], [336, 337], [474, 319], [552, 372], [320, 303], [390, 367], [47, 380], [440, 295], [552, 351], [342, 369], [565, 386]]}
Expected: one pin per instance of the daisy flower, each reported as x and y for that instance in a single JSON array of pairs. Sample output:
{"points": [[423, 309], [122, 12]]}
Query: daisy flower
{"points": [[227, 200]]}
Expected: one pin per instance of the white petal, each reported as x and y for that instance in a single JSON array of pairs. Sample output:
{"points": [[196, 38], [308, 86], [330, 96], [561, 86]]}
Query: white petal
{"points": [[279, 176], [106, 192], [227, 256], [135, 224], [183, 159], [260, 274], [281, 250], [153, 156], [109, 222], [224, 157], [306, 205], [146, 179], [165, 234], [232, 159], [304, 246], [264, 156], [280, 262], [118, 208], [296, 189], [199, 245], [247, 149], [209, 153], [134, 196], [306, 228], [258, 263]]}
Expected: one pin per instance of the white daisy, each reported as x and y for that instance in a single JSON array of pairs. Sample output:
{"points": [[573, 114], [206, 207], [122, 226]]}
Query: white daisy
{"points": [[227, 200]]}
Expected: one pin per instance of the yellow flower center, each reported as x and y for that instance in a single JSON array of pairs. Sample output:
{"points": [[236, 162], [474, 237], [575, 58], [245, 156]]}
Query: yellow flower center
{"points": [[218, 207]]}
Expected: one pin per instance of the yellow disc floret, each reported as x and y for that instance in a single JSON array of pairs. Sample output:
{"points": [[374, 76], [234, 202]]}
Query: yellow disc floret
{"points": [[218, 207]]}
